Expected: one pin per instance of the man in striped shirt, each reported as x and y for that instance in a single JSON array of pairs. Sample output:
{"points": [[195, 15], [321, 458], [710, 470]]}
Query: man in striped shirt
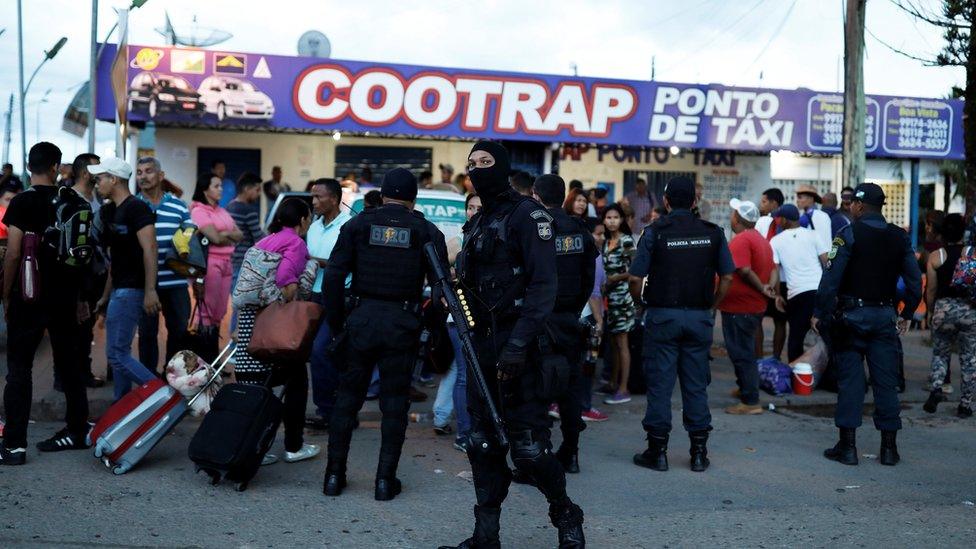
{"points": [[173, 290], [246, 212]]}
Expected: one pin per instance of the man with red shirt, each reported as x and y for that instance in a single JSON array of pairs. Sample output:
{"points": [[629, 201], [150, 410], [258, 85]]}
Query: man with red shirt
{"points": [[744, 304]]}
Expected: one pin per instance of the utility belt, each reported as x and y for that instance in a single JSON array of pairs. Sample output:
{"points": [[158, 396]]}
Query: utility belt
{"points": [[413, 307], [846, 302]]}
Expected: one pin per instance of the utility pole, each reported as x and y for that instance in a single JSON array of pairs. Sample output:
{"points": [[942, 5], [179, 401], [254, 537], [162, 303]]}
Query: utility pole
{"points": [[8, 121], [20, 89], [93, 77], [853, 155]]}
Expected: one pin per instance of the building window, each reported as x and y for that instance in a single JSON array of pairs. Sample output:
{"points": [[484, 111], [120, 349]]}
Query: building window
{"points": [[379, 159]]}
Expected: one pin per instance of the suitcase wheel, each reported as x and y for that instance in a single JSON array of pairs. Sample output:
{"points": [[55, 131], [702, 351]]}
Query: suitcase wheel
{"points": [[214, 478], [241, 486], [120, 469], [98, 451]]}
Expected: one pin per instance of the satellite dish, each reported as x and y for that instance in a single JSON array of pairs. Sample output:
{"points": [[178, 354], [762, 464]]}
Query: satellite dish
{"points": [[314, 44], [197, 36]]}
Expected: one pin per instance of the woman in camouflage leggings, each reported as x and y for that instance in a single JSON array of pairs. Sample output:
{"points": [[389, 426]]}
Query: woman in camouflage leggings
{"points": [[953, 316]]}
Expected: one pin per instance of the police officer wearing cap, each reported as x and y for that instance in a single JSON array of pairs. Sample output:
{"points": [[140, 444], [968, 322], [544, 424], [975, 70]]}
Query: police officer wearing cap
{"points": [[680, 256], [383, 250], [507, 269], [575, 270], [856, 303]]}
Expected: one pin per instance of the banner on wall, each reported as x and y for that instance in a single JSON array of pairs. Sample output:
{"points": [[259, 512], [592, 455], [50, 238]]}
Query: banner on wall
{"points": [[211, 88]]}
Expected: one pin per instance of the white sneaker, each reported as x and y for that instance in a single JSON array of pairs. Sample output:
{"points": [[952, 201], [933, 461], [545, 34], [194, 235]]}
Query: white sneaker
{"points": [[269, 459], [308, 451]]}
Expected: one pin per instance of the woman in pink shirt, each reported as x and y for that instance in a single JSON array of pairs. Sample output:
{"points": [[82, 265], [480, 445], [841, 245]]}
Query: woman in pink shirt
{"points": [[287, 229], [218, 226]]}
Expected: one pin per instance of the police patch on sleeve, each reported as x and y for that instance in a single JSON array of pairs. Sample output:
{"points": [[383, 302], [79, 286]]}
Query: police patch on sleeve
{"points": [[389, 237], [569, 244], [837, 244], [545, 230]]}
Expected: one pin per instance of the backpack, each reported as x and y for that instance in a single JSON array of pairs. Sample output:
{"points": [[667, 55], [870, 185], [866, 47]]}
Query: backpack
{"points": [[964, 275], [70, 231]]}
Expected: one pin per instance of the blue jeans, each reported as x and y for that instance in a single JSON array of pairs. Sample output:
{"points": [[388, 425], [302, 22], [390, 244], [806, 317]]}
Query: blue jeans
{"points": [[444, 403], [460, 386], [325, 377], [739, 331], [121, 322], [676, 344]]}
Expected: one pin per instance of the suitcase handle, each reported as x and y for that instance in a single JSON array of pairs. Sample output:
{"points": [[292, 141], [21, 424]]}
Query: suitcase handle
{"points": [[222, 359], [152, 432]]}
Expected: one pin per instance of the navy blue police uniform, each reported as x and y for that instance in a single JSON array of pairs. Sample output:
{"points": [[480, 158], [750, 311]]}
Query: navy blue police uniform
{"points": [[383, 250], [681, 256], [576, 255], [856, 303], [508, 270]]}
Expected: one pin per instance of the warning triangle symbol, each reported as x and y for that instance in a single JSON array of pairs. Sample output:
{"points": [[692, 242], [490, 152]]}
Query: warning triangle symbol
{"points": [[262, 70]]}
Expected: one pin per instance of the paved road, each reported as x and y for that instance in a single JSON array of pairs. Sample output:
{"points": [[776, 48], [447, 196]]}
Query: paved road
{"points": [[768, 486]]}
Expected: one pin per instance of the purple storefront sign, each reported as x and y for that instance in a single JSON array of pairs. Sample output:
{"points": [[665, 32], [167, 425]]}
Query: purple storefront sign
{"points": [[207, 88]]}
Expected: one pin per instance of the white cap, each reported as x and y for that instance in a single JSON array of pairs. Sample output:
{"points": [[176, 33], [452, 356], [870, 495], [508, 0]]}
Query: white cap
{"points": [[113, 166], [747, 210]]}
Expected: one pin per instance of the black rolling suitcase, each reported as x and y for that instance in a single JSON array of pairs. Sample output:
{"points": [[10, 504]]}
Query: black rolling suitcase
{"points": [[236, 434]]}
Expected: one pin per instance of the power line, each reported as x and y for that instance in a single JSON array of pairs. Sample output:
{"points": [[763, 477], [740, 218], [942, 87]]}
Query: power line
{"points": [[719, 34], [927, 62], [676, 15], [775, 34]]}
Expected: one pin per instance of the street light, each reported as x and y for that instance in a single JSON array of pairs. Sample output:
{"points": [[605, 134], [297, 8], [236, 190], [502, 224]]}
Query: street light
{"points": [[96, 54], [48, 55]]}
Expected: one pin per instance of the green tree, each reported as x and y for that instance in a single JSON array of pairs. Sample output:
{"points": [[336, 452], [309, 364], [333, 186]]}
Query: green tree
{"points": [[957, 18]]}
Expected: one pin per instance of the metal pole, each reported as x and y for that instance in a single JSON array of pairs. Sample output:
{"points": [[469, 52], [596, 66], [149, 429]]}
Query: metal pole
{"points": [[20, 68], [123, 41], [853, 151], [92, 77], [913, 220]]}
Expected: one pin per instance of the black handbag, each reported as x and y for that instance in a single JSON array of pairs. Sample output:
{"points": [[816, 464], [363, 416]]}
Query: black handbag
{"points": [[193, 262], [202, 340]]}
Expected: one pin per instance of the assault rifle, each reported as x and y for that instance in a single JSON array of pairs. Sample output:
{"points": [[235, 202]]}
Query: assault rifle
{"points": [[461, 313]]}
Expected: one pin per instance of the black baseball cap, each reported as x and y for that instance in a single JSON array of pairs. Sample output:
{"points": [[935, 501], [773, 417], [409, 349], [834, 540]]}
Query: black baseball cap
{"points": [[680, 187], [399, 184], [869, 193]]}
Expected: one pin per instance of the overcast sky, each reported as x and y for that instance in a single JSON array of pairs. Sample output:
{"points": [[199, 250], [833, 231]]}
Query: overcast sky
{"points": [[791, 43]]}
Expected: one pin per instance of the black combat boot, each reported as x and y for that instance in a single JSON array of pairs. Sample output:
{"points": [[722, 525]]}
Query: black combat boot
{"points": [[334, 482], [485, 530], [964, 412], [569, 461], [889, 450], [932, 404], [845, 450], [656, 455], [387, 485], [699, 451], [568, 518]]}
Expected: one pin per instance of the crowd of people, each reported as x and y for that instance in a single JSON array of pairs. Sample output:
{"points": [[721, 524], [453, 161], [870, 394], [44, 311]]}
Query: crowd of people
{"points": [[646, 270]]}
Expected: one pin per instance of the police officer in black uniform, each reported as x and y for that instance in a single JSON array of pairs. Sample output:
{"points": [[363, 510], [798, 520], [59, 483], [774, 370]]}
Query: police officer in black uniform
{"points": [[680, 255], [856, 304], [508, 270], [575, 270], [383, 250]]}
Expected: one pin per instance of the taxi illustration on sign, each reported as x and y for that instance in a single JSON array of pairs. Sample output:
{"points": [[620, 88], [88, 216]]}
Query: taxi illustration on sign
{"points": [[230, 97], [163, 93]]}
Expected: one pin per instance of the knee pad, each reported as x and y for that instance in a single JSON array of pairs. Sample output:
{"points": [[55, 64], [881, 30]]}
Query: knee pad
{"points": [[481, 446], [529, 450]]}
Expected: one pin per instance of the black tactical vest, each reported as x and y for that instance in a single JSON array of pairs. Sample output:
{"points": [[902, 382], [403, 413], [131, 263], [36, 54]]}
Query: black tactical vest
{"points": [[389, 254], [488, 264], [570, 242], [875, 264], [683, 264]]}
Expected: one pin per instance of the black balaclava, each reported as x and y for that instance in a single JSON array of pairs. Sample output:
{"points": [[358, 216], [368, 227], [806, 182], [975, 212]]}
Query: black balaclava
{"points": [[493, 181]]}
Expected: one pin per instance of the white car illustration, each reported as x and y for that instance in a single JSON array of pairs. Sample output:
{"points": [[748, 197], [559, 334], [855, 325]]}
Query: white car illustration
{"points": [[230, 97]]}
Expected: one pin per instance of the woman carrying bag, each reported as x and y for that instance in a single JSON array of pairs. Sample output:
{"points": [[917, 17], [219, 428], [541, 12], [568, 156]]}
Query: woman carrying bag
{"points": [[277, 268], [218, 226]]}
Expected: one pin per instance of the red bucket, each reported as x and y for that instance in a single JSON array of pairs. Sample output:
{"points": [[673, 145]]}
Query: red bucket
{"points": [[802, 379]]}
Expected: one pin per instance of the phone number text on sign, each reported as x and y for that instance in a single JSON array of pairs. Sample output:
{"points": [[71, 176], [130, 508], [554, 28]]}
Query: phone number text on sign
{"points": [[917, 126], [825, 123]]}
